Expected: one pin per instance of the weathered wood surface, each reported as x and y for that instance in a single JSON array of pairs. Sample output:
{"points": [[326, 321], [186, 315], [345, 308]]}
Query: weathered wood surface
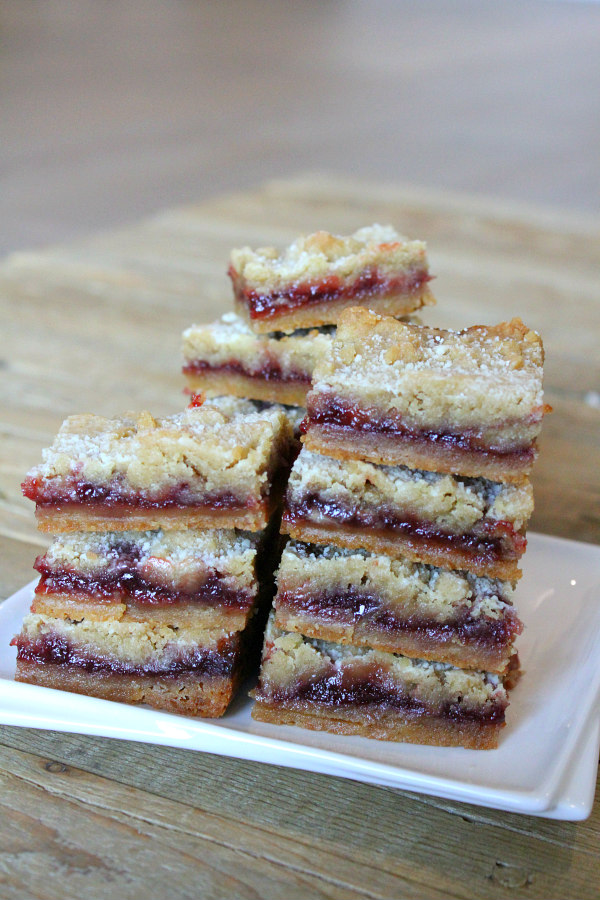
{"points": [[95, 326]]}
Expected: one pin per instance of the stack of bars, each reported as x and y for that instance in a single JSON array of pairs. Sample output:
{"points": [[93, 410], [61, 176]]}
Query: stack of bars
{"points": [[287, 306], [157, 584], [407, 509]]}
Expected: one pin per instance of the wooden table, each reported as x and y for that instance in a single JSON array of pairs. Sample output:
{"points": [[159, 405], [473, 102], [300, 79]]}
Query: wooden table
{"points": [[95, 326]]}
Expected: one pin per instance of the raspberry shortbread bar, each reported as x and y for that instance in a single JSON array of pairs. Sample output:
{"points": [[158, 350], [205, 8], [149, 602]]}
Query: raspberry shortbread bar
{"points": [[216, 465], [319, 275], [186, 669], [448, 401], [442, 520], [187, 578], [368, 599], [227, 357], [352, 690]]}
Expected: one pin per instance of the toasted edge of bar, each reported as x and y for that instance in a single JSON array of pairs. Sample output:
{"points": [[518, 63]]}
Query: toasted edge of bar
{"points": [[176, 615], [214, 384], [207, 697], [387, 450], [420, 646], [387, 726], [328, 312], [67, 517], [396, 546]]}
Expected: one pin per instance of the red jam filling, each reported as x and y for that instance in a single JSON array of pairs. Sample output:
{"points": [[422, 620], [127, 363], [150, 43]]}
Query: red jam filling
{"points": [[55, 649], [369, 284], [345, 417], [339, 687], [114, 494], [489, 542], [125, 581], [268, 371], [352, 607]]}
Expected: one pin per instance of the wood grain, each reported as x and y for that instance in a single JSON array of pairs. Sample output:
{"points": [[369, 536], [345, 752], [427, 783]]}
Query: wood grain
{"points": [[95, 326]]}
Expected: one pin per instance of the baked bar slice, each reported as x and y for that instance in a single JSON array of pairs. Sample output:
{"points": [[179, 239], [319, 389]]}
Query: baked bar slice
{"points": [[185, 670], [356, 690], [442, 520], [447, 401], [321, 274], [227, 357], [368, 599], [216, 465], [210, 579]]}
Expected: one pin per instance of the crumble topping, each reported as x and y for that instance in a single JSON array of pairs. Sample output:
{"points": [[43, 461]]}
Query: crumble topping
{"points": [[312, 258], [169, 558], [225, 445], [401, 583], [133, 642], [230, 339], [450, 501], [481, 375]]}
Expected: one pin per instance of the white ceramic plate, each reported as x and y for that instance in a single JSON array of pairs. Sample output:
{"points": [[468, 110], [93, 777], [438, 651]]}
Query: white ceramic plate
{"points": [[545, 765]]}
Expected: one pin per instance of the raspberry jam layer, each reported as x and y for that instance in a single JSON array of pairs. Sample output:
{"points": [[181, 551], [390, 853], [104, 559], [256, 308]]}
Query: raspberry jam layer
{"points": [[489, 542], [351, 607], [371, 283], [342, 418], [116, 495], [365, 688], [268, 371], [54, 649], [125, 581]]}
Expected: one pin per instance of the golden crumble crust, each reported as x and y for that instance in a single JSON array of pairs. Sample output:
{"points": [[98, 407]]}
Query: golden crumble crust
{"points": [[454, 503], [225, 447], [407, 586], [178, 560], [133, 643], [315, 256], [231, 339], [484, 377]]}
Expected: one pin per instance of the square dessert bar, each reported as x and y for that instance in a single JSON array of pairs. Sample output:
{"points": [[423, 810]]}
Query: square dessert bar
{"points": [[448, 401], [368, 599], [227, 357], [356, 690], [209, 579], [321, 274], [186, 670], [442, 520], [216, 465]]}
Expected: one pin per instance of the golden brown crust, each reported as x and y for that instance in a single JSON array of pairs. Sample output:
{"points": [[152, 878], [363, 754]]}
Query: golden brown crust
{"points": [[189, 695], [417, 645], [215, 384], [111, 608], [386, 450], [329, 312], [398, 547], [387, 726], [69, 517]]}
